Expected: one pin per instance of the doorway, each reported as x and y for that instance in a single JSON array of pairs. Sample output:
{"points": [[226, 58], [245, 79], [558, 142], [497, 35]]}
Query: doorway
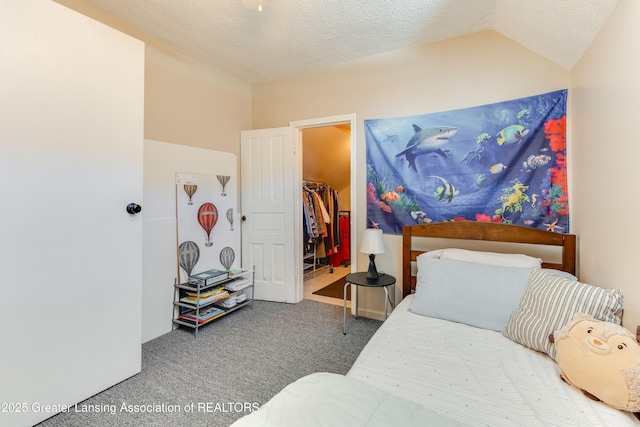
{"points": [[272, 226], [326, 174]]}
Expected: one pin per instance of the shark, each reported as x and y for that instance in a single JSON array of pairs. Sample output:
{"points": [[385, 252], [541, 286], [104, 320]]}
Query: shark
{"points": [[427, 140]]}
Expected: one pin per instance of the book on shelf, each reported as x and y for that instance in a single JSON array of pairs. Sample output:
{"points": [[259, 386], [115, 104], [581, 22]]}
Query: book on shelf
{"points": [[233, 300], [207, 294], [208, 277], [238, 284], [199, 320], [228, 303], [237, 272], [201, 315], [204, 300]]}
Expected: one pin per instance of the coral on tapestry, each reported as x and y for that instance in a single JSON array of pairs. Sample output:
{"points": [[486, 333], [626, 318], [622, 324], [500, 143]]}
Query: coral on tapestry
{"points": [[503, 162]]}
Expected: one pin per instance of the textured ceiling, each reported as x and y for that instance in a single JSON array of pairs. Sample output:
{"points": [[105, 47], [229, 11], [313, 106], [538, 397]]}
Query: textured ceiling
{"points": [[291, 36]]}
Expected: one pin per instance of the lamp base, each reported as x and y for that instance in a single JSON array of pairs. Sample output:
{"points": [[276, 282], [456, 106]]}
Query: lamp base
{"points": [[372, 273]]}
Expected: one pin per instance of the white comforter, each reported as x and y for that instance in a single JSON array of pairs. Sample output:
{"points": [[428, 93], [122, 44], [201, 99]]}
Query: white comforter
{"points": [[474, 375], [421, 371], [331, 400]]}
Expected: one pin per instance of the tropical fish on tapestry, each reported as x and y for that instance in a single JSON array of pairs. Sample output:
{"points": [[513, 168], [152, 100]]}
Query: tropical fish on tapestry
{"points": [[483, 138], [511, 135], [534, 162], [497, 168], [390, 196], [445, 192]]}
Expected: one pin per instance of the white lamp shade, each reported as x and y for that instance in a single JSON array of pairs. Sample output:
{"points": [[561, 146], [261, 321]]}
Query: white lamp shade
{"points": [[372, 241]]}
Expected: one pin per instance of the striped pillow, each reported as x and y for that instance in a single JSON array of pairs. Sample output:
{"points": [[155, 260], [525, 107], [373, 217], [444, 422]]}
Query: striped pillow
{"points": [[549, 303]]}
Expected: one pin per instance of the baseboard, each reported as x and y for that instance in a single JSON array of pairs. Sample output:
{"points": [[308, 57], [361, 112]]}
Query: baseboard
{"points": [[370, 314]]}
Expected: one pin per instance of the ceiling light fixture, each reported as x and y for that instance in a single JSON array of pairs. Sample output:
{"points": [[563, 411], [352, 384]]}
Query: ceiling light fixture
{"points": [[254, 4]]}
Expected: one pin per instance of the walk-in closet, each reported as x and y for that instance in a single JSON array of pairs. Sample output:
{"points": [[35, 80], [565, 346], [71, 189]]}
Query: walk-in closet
{"points": [[322, 234], [326, 194]]}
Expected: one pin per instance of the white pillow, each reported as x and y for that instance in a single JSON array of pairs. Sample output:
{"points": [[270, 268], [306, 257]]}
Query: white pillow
{"points": [[489, 258], [476, 294]]}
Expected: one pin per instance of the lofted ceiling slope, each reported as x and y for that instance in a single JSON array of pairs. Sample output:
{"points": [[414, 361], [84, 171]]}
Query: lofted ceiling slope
{"points": [[292, 36]]}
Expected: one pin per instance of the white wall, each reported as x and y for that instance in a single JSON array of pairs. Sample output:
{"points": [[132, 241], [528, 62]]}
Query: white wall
{"points": [[604, 158], [160, 263], [467, 71], [71, 130]]}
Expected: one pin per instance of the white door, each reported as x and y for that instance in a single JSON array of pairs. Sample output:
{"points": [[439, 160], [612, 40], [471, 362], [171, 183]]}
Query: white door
{"points": [[71, 134], [270, 191]]}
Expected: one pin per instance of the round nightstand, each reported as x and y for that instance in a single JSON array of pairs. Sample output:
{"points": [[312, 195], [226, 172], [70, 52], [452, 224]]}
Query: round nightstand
{"points": [[360, 279]]}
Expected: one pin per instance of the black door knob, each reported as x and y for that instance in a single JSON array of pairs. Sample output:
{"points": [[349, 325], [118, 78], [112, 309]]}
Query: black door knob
{"points": [[133, 208]]}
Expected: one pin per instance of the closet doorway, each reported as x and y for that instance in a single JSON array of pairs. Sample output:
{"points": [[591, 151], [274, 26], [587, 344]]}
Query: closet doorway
{"points": [[326, 179], [271, 165]]}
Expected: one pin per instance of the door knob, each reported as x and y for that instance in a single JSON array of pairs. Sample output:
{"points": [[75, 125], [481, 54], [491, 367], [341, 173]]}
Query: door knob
{"points": [[243, 218], [133, 208]]}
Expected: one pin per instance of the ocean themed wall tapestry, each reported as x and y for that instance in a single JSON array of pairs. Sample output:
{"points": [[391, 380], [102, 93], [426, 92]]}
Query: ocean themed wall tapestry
{"points": [[503, 162]]}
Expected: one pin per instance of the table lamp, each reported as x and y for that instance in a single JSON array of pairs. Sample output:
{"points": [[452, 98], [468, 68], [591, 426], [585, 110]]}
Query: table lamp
{"points": [[372, 244]]}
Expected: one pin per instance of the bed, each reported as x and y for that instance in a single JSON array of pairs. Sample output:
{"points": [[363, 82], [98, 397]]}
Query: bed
{"points": [[437, 361]]}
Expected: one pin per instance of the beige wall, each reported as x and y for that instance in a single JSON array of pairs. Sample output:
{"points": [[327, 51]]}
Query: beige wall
{"points": [[186, 102], [472, 70], [327, 158], [605, 168], [191, 104]]}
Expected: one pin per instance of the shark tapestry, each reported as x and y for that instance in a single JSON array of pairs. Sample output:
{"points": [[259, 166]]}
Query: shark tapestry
{"points": [[503, 162]]}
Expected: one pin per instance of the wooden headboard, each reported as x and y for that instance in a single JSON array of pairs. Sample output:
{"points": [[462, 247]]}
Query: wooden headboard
{"points": [[486, 231]]}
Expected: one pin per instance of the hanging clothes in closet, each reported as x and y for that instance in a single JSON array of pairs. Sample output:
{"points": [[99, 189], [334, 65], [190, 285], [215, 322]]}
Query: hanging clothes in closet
{"points": [[342, 255], [321, 231]]}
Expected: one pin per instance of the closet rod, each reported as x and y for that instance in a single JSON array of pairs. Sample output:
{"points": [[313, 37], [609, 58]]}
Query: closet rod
{"points": [[314, 183]]}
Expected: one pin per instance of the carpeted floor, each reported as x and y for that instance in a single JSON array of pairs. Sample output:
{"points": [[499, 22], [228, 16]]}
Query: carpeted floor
{"points": [[238, 361], [335, 289]]}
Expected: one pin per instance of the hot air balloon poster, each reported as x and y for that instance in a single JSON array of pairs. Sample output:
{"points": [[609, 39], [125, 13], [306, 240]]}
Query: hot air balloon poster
{"points": [[190, 189], [208, 218], [503, 162], [189, 254], [205, 241], [190, 186]]}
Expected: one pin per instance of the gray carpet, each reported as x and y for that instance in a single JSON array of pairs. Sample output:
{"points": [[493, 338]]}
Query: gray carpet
{"points": [[240, 360]]}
